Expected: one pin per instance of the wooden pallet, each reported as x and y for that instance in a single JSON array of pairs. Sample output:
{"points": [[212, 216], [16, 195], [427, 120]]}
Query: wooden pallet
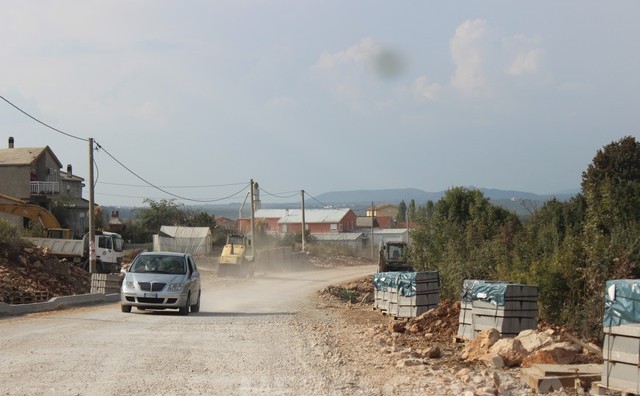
{"points": [[599, 388], [548, 378]]}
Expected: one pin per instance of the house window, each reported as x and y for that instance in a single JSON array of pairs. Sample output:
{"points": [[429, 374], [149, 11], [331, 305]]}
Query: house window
{"points": [[333, 227], [340, 227], [284, 228]]}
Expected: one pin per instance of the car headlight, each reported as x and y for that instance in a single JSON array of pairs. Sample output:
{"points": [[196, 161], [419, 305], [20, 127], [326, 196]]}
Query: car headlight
{"points": [[175, 287], [129, 285]]}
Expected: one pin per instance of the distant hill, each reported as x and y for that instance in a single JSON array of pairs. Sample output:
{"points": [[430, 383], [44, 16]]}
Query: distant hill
{"points": [[420, 196], [516, 201]]}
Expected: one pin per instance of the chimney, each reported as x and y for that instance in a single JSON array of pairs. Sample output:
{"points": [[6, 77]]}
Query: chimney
{"points": [[69, 170], [10, 142]]}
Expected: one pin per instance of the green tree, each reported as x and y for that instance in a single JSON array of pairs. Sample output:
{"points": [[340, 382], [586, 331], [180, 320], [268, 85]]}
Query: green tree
{"points": [[412, 209], [159, 213], [611, 186], [199, 219], [402, 211], [466, 238]]}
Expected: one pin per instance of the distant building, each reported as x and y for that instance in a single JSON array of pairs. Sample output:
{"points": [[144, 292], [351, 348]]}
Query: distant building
{"points": [[289, 221], [32, 174]]}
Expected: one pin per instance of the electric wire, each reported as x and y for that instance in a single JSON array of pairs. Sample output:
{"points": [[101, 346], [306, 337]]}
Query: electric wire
{"points": [[161, 189], [315, 199], [202, 186], [43, 123], [279, 196]]}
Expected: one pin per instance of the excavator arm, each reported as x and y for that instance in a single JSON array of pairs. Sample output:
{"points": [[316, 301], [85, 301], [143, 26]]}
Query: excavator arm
{"points": [[34, 212]]}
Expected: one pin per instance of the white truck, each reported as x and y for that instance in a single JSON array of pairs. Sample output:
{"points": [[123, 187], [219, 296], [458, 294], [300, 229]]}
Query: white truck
{"points": [[108, 245]]}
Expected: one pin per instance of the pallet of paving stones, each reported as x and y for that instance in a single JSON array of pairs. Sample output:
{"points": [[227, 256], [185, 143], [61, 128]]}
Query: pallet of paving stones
{"points": [[406, 294], [621, 354], [506, 307]]}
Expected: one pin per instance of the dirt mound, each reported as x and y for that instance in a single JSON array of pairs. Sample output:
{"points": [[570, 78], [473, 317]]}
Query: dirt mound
{"points": [[29, 271], [338, 261], [359, 291], [437, 324]]}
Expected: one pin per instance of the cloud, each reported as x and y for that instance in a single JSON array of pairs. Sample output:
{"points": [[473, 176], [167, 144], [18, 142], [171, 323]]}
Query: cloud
{"points": [[468, 55], [362, 52], [425, 89], [526, 63]]}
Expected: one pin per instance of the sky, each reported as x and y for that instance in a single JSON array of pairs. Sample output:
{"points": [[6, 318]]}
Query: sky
{"points": [[199, 97]]}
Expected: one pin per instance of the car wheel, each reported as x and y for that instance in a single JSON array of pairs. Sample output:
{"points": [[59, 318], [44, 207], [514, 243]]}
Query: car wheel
{"points": [[125, 308], [185, 309], [196, 307]]}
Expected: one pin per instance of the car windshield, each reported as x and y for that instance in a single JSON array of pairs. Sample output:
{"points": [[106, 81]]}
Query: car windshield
{"points": [[159, 264]]}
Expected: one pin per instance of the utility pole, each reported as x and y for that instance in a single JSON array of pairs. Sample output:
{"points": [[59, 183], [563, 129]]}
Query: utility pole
{"points": [[253, 222], [92, 221], [373, 219], [303, 222]]}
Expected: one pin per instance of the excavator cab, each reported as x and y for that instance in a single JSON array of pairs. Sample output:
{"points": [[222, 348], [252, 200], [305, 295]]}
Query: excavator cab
{"points": [[393, 257]]}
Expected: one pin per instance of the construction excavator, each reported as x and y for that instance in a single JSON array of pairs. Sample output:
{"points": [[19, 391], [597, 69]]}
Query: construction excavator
{"points": [[46, 219], [108, 245]]}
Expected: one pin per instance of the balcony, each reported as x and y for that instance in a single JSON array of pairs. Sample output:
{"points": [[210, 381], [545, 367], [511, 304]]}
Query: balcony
{"points": [[40, 187]]}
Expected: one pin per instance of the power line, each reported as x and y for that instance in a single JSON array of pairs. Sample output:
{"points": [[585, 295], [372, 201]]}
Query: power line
{"points": [[161, 189], [203, 186], [280, 196], [43, 123], [315, 199]]}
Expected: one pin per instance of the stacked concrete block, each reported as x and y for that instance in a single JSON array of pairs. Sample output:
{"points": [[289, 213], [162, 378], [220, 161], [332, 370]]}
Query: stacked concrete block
{"points": [[406, 294], [382, 283], [507, 307], [105, 283], [621, 326], [621, 354]]}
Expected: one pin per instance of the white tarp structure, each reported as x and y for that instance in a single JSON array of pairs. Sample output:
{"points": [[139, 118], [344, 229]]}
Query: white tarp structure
{"points": [[193, 240]]}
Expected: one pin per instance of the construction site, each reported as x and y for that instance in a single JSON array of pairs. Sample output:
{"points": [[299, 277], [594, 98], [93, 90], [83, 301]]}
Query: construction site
{"points": [[369, 330]]}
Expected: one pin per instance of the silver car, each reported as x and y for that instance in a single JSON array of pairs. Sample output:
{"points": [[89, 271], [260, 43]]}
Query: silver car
{"points": [[162, 280]]}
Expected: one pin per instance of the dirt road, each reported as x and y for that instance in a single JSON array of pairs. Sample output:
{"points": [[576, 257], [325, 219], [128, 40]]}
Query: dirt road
{"points": [[252, 336]]}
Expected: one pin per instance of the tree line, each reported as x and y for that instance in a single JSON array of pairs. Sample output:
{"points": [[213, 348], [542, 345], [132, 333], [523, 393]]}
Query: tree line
{"points": [[568, 248]]}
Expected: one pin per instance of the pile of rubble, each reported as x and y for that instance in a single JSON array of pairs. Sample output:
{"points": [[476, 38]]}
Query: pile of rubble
{"points": [[29, 271], [438, 324], [528, 348], [358, 291], [337, 260]]}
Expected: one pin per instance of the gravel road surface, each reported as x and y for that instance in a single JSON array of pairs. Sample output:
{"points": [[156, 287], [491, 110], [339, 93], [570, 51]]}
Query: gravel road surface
{"points": [[252, 336]]}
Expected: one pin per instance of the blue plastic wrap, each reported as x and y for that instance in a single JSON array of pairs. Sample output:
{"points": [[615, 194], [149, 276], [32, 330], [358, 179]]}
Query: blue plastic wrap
{"points": [[621, 302], [404, 282]]}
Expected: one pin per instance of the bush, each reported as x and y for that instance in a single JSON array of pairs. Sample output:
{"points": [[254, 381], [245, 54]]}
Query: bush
{"points": [[8, 233]]}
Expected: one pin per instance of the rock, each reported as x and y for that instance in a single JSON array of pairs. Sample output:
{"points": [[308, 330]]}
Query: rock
{"points": [[510, 350], [409, 362], [468, 393], [408, 353], [559, 353], [432, 352], [479, 346], [594, 348], [532, 340], [496, 362], [396, 327], [414, 328]]}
